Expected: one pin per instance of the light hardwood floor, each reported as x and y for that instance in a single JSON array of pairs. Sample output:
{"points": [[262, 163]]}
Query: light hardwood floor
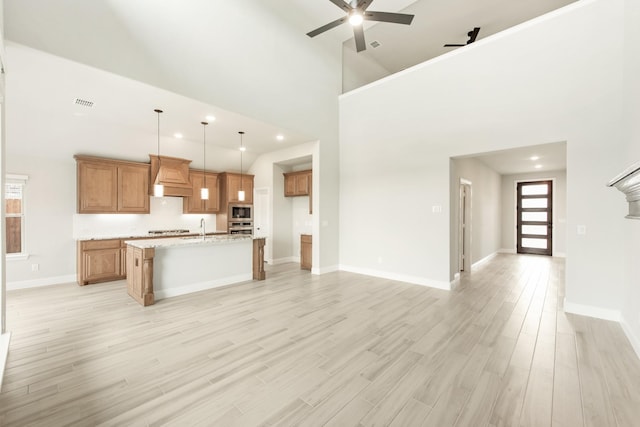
{"points": [[340, 349]]}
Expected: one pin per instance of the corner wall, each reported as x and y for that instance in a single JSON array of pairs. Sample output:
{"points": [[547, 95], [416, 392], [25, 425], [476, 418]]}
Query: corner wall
{"points": [[516, 88]]}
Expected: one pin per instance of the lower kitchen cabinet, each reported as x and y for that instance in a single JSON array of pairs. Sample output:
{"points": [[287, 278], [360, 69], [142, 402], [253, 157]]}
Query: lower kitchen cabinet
{"points": [[100, 261], [305, 251]]}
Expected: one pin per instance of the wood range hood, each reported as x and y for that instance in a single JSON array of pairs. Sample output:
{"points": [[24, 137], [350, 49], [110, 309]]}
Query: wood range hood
{"points": [[172, 173]]}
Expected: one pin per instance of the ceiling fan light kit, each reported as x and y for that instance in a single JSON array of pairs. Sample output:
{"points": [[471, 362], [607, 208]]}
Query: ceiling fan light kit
{"points": [[356, 14]]}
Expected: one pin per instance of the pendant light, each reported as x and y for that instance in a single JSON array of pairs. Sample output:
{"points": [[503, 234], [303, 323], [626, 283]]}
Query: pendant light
{"points": [[241, 191], [204, 191], [158, 189]]}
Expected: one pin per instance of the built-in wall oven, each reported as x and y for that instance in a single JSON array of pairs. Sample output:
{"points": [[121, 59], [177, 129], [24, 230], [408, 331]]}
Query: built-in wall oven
{"points": [[240, 219]]}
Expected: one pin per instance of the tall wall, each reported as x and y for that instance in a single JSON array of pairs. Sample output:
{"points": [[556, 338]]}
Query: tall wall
{"points": [[631, 308], [517, 88], [559, 209]]}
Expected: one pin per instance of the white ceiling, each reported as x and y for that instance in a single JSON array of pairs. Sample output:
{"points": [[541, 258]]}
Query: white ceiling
{"points": [[44, 86], [440, 22], [548, 157]]}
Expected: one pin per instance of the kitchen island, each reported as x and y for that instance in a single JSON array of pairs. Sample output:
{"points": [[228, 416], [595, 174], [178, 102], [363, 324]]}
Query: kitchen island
{"points": [[162, 268]]}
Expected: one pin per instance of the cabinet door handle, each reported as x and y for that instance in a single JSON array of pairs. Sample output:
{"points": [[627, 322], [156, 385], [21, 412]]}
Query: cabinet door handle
{"points": [[136, 262]]}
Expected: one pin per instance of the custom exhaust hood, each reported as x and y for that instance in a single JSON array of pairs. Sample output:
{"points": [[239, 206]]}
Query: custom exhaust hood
{"points": [[172, 173]]}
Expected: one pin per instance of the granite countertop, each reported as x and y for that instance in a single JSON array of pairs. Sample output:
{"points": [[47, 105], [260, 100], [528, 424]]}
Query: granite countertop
{"points": [[147, 236], [188, 241]]}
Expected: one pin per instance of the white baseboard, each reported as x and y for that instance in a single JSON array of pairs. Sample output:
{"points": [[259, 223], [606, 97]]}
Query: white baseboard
{"points": [[201, 286], [455, 282], [4, 353], [483, 260], [325, 270], [591, 311], [285, 260], [633, 339], [416, 280], [45, 281], [506, 251]]}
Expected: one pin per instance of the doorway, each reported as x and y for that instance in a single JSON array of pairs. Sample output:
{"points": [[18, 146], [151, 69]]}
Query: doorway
{"points": [[534, 227], [464, 226]]}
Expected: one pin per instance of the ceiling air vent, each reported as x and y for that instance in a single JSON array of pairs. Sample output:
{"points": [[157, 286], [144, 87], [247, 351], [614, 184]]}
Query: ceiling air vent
{"points": [[83, 102], [375, 43]]}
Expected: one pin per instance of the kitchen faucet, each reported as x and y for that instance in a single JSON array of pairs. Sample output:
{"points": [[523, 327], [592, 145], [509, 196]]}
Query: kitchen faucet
{"points": [[202, 227]]}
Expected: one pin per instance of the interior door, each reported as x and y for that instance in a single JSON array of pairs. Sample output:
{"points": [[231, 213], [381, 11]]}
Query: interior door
{"points": [[534, 217]]}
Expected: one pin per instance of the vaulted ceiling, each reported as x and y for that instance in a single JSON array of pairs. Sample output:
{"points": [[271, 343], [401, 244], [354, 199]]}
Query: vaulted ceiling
{"points": [[192, 47]]}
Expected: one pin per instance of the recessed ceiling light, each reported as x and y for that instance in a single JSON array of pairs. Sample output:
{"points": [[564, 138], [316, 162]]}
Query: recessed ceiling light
{"points": [[534, 158], [280, 137], [537, 166], [177, 135], [243, 148], [210, 118]]}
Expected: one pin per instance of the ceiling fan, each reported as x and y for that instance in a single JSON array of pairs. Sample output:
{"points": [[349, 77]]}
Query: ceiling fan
{"points": [[472, 37], [356, 13]]}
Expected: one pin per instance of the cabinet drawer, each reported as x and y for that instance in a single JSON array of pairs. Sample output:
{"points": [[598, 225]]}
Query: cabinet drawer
{"points": [[89, 245]]}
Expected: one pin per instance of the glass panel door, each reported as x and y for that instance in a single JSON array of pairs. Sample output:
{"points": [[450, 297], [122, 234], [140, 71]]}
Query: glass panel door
{"points": [[534, 226]]}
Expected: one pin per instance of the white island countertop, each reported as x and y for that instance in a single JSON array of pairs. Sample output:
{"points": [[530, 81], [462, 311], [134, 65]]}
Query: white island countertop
{"points": [[188, 241]]}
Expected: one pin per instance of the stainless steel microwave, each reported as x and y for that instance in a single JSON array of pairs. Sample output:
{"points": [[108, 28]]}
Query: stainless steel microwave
{"points": [[244, 212]]}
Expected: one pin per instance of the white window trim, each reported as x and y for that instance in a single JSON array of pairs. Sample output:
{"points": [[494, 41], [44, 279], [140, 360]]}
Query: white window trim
{"points": [[18, 179]]}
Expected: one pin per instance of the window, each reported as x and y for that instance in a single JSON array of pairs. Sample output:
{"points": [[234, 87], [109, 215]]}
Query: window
{"points": [[14, 210]]}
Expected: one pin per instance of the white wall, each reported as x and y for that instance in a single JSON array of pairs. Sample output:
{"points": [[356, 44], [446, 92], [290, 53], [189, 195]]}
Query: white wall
{"points": [[486, 196], [559, 208], [359, 69], [517, 88], [631, 308], [50, 203], [249, 57]]}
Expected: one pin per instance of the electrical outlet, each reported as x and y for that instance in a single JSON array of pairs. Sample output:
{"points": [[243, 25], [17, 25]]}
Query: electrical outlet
{"points": [[582, 230], [436, 209], [35, 267]]}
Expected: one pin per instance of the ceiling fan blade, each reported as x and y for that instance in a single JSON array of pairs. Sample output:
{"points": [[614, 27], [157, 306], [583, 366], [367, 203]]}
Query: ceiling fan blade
{"points": [[364, 4], [473, 34], [454, 45], [395, 18], [342, 5], [329, 26], [358, 33]]}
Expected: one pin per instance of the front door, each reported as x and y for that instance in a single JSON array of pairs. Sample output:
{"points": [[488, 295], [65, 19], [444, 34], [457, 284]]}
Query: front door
{"points": [[534, 224]]}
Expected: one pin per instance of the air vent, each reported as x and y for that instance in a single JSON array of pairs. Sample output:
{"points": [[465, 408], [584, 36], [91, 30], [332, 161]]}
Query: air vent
{"points": [[375, 43], [83, 102]]}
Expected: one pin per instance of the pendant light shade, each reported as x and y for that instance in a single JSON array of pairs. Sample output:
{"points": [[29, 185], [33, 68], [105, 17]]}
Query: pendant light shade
{"points": [[241, 191], [158, 189], [204, 191]]}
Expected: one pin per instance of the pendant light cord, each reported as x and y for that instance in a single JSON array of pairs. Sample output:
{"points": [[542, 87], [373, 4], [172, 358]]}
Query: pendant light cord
{"points": [[204, 152], [158, 111], [241, 133]]}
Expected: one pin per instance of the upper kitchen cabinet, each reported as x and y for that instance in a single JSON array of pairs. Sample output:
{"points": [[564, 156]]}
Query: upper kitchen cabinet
{"points": [[111, 186], [230, 185], [193, 203], [297, 183]]}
